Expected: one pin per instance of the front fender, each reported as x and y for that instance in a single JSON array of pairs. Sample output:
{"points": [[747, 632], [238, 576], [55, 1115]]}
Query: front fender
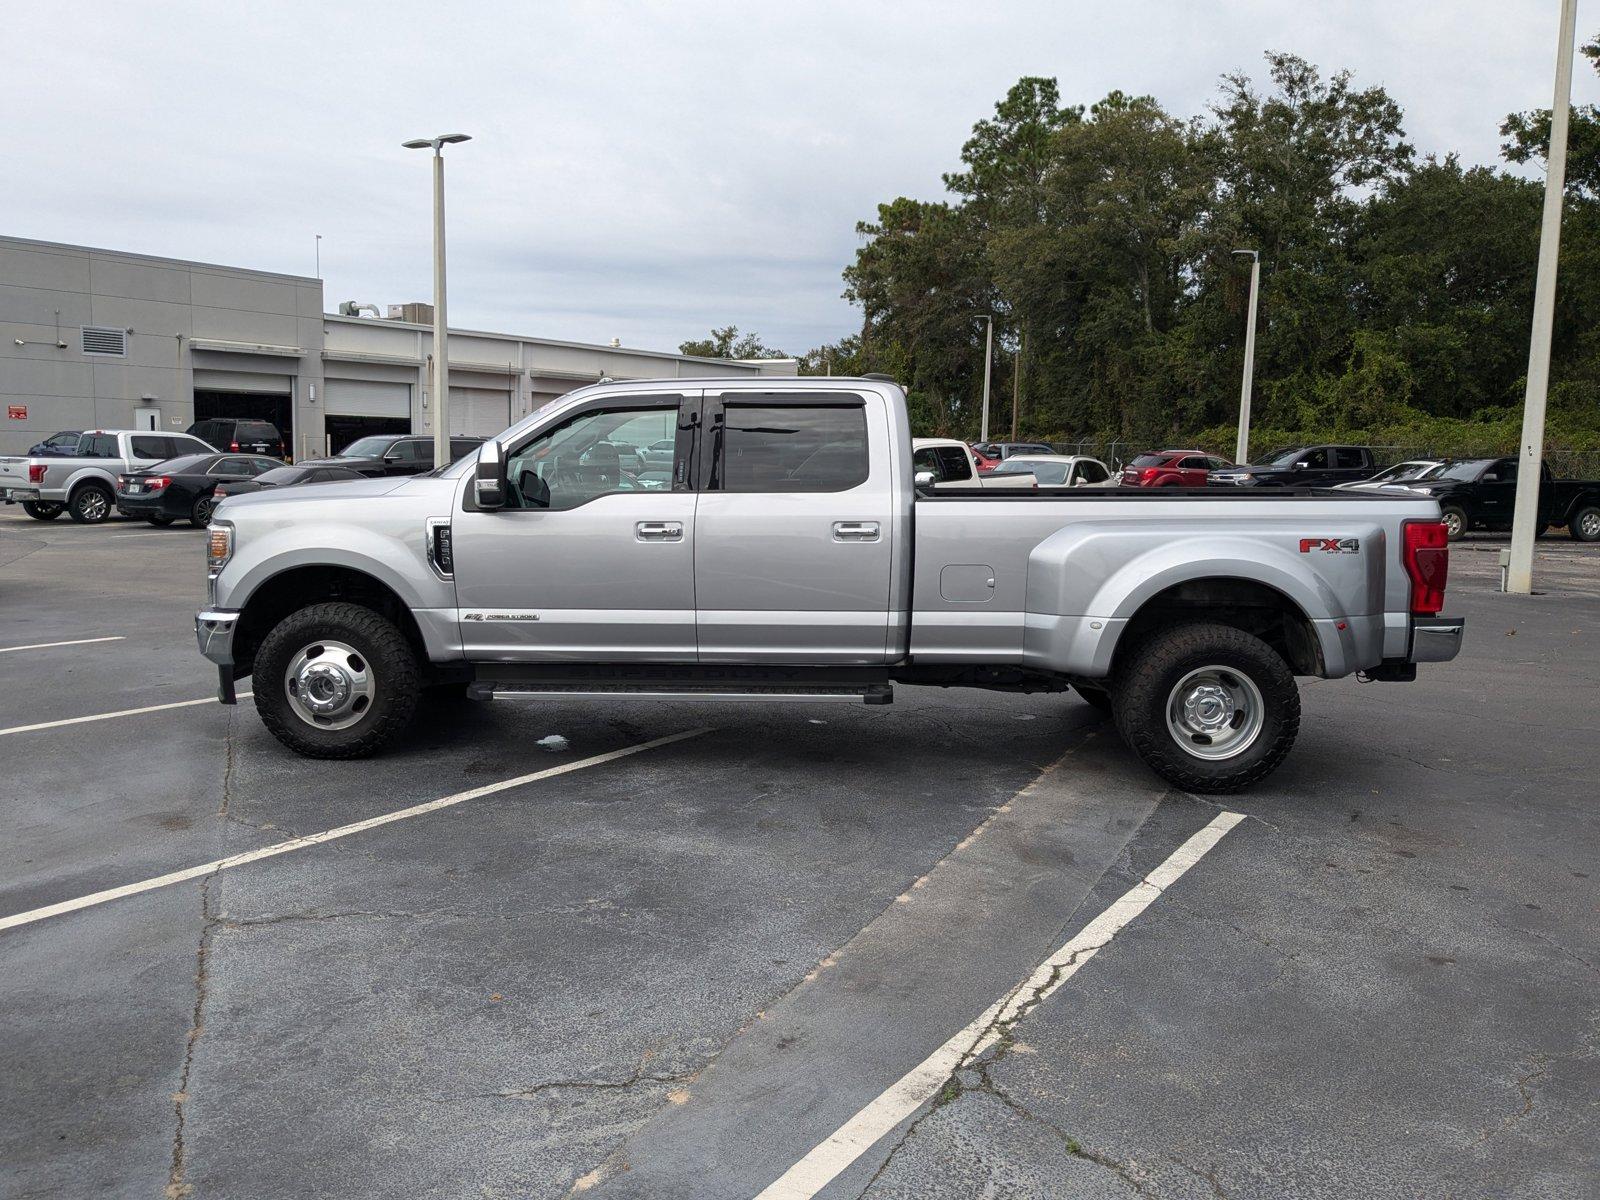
{"points": [[396, 558]]}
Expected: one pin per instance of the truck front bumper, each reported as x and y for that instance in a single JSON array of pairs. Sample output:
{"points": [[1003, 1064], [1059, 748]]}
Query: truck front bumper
{"points": [[213, 629], [1436, 639]]}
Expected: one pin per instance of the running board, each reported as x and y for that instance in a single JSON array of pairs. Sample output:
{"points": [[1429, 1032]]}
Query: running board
{"points": [[798, 685]]}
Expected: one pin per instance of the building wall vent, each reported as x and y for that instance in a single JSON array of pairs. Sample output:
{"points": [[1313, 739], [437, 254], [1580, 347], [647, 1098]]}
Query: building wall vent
{"points": [[98, 339]]}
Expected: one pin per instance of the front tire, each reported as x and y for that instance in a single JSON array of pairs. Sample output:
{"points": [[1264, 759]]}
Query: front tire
{"points": [[1208, 707], [43, 510], [91, 504], [1585, 524], [336, 681]]}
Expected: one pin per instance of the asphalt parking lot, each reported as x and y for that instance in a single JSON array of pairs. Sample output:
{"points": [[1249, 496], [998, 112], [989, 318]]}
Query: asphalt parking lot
{"points": [[711, 950]]}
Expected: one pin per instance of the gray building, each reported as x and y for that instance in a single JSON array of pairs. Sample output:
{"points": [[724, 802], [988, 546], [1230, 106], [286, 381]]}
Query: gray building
{"points": [[102, 339]]}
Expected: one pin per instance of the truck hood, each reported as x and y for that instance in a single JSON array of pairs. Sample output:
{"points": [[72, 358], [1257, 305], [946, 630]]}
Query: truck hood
{"points": [[349, 489]]}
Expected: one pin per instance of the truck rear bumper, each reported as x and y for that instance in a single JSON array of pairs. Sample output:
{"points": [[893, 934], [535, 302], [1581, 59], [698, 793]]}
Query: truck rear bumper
{"points": [[213, 629], [1436, 639]]}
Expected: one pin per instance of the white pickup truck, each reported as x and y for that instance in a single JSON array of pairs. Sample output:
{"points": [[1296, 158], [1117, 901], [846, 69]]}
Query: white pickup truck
{"points": [[793, 557], [84, 485], [945, 463]]}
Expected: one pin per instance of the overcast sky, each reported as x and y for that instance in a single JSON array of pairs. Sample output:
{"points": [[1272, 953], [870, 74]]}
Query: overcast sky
{"points": [[641, 171]]}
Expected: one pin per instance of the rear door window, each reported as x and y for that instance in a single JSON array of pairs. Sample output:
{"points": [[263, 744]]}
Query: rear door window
{"points": [[151, 447], [792, 447], [1090, 471], [101, 445]]}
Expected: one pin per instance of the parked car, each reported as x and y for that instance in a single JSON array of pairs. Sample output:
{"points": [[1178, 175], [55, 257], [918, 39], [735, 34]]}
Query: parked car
{"points": [[801, 563], [1171, 468], [282, 476], [57, 445], [181, 488], [240, 435], [1402, 472], [985, 462], [84, 484], [1481, 493], [1303, 466], [944, 464], [1000, 451], [1058, 470], [393, 454]]}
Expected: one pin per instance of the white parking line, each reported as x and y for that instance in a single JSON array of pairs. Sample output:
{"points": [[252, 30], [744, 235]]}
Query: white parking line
{"points": [[49, 645], [328, 835], [919, 1085], [124, 712]]}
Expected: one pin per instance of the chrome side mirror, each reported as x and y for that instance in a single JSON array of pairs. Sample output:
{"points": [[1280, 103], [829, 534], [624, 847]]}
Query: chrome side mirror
{"points": [[489, 478], [923, 479]]}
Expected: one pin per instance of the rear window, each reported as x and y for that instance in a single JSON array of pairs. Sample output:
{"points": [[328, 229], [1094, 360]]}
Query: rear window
{"points": [[794, 448], [1149, 460], [256, 431], [183, 464]]}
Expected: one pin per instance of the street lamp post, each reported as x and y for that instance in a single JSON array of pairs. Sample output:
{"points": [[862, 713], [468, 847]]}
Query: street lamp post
{"points": [[441, 352], [1241, 450], [1526, 518], [988, 361]]}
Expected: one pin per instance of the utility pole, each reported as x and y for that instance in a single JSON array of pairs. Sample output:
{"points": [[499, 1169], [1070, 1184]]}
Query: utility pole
{"points": [[441, 325], [1527, 518], [988, 361], [1016, 386], [1241, 450]]}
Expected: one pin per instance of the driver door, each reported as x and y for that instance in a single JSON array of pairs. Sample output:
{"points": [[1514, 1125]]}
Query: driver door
{"points": [[588, 562]]}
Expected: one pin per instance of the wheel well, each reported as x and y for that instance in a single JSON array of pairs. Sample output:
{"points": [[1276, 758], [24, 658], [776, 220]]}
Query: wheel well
{"points": [[92, 480], [300, 587], [1244, 604]]}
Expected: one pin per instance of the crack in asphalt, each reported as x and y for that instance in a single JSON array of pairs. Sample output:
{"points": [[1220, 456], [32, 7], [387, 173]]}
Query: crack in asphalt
{"points": [[639, 1076], [177, 1185], [1541, 1065]]}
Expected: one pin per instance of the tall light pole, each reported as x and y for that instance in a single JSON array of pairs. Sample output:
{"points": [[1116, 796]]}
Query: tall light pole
{"points": [[988, 361], [1526, 520], [441, 352], [1241, 450]]}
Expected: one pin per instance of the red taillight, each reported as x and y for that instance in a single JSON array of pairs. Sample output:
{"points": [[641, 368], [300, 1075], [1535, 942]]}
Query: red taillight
{"points": [[157, 482], [1149, 473], [35, 472], [1425, 555]]}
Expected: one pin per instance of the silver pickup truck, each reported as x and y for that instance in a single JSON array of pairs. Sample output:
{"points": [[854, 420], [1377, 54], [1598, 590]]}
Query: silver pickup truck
{"points": [[794, 558], [84, 485]]}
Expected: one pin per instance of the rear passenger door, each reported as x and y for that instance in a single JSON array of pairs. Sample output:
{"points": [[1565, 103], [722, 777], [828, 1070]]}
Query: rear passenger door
{"points": [[794, 529]]}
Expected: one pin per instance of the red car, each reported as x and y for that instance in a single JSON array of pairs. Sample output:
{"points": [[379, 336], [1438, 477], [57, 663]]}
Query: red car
{"points": [[984, 462], [1172, 468]]}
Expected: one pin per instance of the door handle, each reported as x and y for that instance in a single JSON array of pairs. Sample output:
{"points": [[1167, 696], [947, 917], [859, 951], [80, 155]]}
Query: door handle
{"points": [[658, 531], [855, 531]]}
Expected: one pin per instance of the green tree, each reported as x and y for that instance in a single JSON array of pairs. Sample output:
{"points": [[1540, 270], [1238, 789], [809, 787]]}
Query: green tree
{"points": [[726, 343]]}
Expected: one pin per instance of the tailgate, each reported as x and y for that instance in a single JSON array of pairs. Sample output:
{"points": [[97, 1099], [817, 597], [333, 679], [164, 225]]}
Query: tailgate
{"points": [[14, 473]]}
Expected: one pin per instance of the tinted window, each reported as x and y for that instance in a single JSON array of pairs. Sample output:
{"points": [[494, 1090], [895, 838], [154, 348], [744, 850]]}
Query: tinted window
{"points": [[948, 463], [255, 431], [1506, 468], [150, 447], [279, 476], [1092, 472], [1148, 460], [461, 447], [1316, 459], [368, 447], [582, 460], [1348, 457], [793, 448], [183, 464], [413, 450], [98, 445], [1195, 462]]}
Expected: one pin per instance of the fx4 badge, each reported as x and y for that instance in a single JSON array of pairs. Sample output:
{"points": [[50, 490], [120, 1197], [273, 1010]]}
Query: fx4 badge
{"points": [[1330, 545]]}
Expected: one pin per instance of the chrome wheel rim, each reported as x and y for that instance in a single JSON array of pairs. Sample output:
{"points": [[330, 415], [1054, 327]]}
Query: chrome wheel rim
{"points": [[203, 507], [1589, 526], [1215, 713], [330, 685], [1453, 524], [93, 506]]}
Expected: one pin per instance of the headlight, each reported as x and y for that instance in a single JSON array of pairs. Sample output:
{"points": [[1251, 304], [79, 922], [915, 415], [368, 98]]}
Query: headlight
{"points": [[219, 545]]}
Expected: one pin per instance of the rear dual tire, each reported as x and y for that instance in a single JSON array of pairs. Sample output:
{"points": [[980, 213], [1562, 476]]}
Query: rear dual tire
{"points": [[1208, 707], [336, 681]]}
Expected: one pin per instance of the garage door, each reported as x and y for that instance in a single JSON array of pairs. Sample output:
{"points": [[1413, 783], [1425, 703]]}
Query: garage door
{"points": [[367, 398], [479, 412]]}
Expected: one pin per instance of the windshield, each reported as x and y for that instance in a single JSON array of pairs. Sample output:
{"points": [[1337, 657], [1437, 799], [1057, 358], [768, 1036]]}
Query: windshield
{"points": [[367, 447], [1465, 471], [1278, 458]]}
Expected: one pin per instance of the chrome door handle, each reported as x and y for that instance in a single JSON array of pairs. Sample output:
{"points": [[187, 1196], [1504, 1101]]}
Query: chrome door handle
{"points": [[855, 531], [658, 531]]}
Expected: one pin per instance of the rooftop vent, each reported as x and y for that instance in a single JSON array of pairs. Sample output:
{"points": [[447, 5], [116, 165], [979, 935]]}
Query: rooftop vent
{"points": [[98, 339]]}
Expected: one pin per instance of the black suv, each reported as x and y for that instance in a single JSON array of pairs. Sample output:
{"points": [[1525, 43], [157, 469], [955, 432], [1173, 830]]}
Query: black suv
{"points": [[1304, 466], [239, 435], [393, 454]]}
